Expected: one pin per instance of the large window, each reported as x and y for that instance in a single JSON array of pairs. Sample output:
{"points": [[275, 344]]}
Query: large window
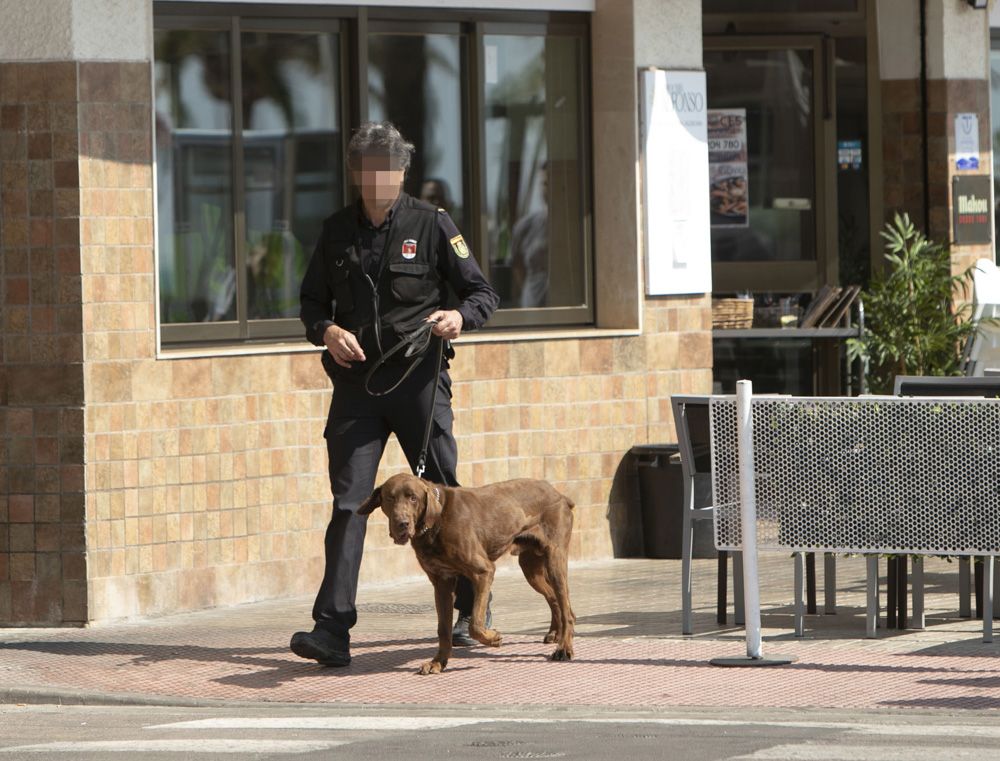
{"points": [[534, 193], [995, 133], [253, 113]]}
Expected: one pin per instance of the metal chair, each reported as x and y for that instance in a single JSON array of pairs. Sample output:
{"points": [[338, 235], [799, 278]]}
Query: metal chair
{"points": [[694, 441], [982, 351], [691, 420], [926, 385]]}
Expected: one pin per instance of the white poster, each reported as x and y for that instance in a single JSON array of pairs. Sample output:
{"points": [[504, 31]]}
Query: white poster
{"points": [[729, 182], [674, 145]]}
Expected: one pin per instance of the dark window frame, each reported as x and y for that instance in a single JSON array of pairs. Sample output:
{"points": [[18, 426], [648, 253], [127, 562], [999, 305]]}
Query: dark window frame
{"points": [[353, 24]]}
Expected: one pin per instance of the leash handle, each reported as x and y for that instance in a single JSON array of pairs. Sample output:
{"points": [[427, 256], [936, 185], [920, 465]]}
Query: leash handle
{"points": [[409, 344]]}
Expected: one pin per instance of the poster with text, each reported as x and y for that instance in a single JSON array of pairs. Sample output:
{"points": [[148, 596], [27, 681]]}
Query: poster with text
{"points": [[729, 185], [675, 182]]}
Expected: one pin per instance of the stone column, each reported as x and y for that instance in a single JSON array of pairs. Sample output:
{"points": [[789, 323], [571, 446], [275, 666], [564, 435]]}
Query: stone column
{"points": [[675, 348], [956, 68], [63, 116]]}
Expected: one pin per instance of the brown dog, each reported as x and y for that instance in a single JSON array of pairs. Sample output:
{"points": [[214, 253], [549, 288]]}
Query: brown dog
{"points": [[461, 532]]}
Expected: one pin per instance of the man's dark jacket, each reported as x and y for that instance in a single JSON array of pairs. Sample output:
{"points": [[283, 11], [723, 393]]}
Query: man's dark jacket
{"points": [[422, 256]]}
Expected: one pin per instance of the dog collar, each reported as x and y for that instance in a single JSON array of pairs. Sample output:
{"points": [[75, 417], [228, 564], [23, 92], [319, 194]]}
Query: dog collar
{"points": [[437, 495]]}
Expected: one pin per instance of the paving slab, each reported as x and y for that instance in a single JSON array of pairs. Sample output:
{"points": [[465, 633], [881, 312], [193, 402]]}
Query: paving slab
{"points": [[629, 651]]}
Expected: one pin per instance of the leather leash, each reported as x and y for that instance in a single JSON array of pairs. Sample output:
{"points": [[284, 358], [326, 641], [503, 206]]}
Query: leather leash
{"points": [[413, 343], [422, 460]]}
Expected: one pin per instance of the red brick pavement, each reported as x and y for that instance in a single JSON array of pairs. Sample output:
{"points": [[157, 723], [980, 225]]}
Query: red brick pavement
{"points": [[240, 654]]}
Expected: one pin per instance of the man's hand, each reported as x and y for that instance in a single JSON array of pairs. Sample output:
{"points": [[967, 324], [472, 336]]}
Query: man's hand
{"points": [[448, 324], [343, 346]]}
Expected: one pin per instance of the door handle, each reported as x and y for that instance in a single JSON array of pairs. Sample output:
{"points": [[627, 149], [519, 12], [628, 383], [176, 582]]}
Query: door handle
{"points": [[829, 81]]}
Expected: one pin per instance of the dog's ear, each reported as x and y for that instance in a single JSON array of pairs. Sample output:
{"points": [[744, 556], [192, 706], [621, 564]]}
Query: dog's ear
{"points": [[432, 505], [371, 504]]}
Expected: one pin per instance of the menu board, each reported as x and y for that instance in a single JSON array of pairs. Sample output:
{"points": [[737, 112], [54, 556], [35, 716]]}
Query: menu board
{"points": [[675, 182], [729, 186]]}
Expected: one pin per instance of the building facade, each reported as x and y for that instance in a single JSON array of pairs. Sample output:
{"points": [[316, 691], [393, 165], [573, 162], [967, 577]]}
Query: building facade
{"points": [[163, 171]]}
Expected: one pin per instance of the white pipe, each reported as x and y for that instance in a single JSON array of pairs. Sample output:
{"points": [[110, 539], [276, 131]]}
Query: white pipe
{"points": [[748, 514]]}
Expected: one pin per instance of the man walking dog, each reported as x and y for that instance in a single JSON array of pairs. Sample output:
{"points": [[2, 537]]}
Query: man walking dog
{"points": [[388, 275]]}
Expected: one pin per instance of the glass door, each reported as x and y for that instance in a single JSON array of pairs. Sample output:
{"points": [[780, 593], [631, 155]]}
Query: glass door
{"points": [[781, 239]]}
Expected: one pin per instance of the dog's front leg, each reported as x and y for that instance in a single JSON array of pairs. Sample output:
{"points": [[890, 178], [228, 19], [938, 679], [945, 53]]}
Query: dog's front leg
{"points": [[481, 584], [444, 601]]}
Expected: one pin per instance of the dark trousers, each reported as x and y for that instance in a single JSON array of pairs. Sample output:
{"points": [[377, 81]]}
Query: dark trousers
{"points": [[357, 430]]}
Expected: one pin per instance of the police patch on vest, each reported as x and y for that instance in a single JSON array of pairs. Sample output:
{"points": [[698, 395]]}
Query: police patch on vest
{"points": [[409, 248], [461, 250]]}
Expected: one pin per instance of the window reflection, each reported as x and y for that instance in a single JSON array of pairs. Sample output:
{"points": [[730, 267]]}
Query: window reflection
{"points": [[291, 160], [414, 81], [194, 176], [995, 133], [775, 89], [533, 165]]}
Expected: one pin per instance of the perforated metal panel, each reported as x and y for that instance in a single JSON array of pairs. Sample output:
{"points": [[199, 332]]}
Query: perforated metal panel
{"points": [[863, 475]]}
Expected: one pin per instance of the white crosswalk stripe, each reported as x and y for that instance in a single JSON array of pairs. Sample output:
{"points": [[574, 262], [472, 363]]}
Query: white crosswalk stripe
{"points": [[193, 745], [815, 751], [248, 736], [342, 723], [417, 723]]}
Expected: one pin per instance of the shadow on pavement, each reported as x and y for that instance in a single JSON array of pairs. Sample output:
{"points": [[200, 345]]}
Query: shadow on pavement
{"points": [[269, 671]]}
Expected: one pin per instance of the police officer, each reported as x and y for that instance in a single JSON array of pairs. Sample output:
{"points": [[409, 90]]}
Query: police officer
{"points": [[383, 268]]}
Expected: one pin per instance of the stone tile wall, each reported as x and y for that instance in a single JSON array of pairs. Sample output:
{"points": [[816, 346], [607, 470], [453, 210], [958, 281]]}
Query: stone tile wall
{"points": [[902, 151], [42, 551], [135, 485]]}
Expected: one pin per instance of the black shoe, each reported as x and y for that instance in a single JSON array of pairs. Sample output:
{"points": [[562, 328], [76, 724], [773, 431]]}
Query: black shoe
{"points": [[460, 633], [321, 645]]}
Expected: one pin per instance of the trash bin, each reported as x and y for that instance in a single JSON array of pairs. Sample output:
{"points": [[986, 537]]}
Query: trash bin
{"points": [[661, 498]]}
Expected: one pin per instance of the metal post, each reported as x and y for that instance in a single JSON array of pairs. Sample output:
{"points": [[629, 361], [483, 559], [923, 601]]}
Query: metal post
{"points": [[964, 587], [988, 599], [799, 558], [830, 584], [810, 583], [871, 561], [748, 527], [996, 582], [748, 517], [917, 585]]}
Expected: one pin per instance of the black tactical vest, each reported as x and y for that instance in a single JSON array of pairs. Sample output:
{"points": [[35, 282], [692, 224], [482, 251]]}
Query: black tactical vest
{"points": [[405, 291]]}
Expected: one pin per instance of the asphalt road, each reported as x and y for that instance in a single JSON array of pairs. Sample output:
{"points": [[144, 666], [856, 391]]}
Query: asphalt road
{"points": [[115, 733]]}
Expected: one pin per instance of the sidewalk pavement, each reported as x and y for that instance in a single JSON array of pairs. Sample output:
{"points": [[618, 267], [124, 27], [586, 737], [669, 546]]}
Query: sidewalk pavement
{"points": [[629, 651]]}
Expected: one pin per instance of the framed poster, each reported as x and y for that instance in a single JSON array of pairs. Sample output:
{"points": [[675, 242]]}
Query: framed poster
{"points": [[729, 181], [675, 188], [972, 222]]}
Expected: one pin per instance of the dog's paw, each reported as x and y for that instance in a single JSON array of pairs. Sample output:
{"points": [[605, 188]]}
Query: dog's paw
{"points": [[488, 637], [563, 654], [551, 637], [431, 667]]}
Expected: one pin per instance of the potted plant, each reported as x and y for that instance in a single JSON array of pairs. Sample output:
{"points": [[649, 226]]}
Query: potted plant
{"points": [[916, 311]]}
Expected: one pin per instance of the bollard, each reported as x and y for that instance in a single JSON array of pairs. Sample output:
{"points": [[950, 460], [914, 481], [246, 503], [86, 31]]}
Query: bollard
{"points": [[748, 527]]}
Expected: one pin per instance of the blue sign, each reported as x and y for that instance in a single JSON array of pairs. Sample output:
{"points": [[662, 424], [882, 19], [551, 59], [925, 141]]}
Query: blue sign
{"points": [[849, 155]]}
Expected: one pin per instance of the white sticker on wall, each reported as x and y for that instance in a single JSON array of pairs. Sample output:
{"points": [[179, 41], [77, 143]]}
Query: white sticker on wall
{"points": [[492, 65], [966, 141]]}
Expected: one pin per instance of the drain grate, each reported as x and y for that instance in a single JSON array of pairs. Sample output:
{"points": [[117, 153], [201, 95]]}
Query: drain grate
{"points": [[394, 608]]}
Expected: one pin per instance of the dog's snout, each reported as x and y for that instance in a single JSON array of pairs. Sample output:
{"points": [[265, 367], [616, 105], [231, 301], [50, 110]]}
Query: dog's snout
{"points": [[403, 524]]}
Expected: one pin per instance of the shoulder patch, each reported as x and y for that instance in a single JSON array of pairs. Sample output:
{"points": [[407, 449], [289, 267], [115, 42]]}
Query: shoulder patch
{"points": [[458, 244]]}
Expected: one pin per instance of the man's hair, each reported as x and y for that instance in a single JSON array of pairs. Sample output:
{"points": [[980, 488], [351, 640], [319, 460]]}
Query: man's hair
{"points": [[379, 139]]}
